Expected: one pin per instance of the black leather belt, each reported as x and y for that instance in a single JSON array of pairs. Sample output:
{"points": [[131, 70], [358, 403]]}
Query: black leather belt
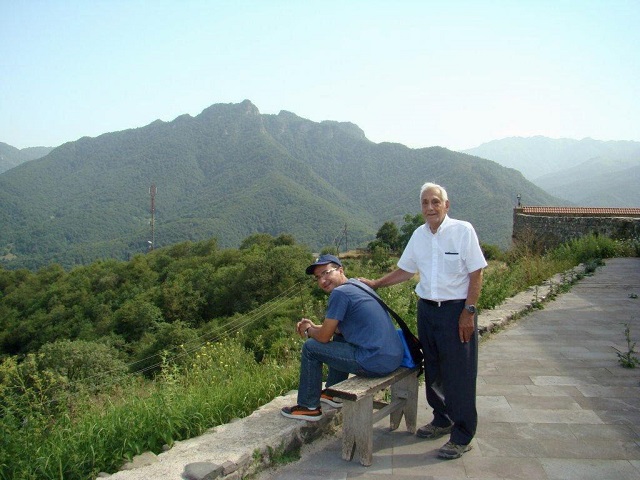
{"points": [[444, 302]]}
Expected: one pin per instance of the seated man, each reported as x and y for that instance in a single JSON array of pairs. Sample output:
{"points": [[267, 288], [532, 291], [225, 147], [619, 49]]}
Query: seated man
{"points": [[356, 336]]}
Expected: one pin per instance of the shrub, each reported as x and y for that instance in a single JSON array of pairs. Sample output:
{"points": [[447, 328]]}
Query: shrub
{"points": [[85, 365], [491, 252]]}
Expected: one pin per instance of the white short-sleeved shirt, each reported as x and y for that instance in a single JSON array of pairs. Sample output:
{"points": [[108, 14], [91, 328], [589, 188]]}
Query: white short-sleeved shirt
{"points": [[444, 260]]}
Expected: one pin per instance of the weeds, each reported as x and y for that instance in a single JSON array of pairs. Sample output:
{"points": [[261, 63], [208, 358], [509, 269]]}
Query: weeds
{"points": [[282, 456], [591, 266], [628, 359]]}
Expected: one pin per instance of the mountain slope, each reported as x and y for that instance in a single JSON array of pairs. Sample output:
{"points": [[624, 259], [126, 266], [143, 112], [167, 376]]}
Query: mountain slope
{"points": [[584, 172], [597, 183], [539, 156], [230, 172], [11, 156]]}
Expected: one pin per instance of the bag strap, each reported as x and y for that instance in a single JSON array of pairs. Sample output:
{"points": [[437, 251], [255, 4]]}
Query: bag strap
{"points": [[396, 317]]}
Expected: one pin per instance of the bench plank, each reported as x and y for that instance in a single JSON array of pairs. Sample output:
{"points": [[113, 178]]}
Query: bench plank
{"points": [[356, 387]]}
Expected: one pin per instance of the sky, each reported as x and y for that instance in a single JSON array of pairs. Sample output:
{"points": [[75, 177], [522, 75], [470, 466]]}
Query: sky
{"points": [[421, 73]]}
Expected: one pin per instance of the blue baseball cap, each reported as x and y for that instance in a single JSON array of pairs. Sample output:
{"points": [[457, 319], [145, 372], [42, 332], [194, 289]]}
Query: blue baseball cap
{"points": [[323, 260]]}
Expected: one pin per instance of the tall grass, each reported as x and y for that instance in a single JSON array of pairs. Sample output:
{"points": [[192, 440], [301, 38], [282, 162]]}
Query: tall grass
{"points": [[222, 382], [521, 268]]}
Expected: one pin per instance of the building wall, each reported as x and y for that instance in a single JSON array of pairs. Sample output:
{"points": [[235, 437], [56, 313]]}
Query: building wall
{"points": [[551, 230]]}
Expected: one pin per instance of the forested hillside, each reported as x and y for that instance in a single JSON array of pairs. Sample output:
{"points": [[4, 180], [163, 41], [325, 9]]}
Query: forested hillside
{"points": [[157, 301], [11, 157], [231, 172]]}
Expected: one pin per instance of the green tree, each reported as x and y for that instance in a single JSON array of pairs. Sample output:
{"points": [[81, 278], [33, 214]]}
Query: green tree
{"points": [[380, 257], [388, 236], [170, 343], [135, 317], [87, 365], [411, 222], [181, 301]]}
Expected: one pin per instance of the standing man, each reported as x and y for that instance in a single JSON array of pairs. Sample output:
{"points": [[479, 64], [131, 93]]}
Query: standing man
{"points": [[447, 255], [356, 336]]}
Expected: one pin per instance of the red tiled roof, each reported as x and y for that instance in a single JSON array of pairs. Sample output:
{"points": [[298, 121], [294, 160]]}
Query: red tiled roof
{"points": [[581, 211]]}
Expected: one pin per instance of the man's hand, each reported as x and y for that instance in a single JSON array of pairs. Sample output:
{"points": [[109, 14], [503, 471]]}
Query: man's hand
{"points": [[303, 325], [466, 326], [397, 276], [369, 283]]}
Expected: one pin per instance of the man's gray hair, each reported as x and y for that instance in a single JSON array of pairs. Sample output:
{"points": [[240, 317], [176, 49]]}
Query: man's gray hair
{"points": [[434, 186]]}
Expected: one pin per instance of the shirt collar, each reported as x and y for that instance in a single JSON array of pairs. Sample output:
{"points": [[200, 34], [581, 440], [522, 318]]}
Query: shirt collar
{"points": [[442, 226]]}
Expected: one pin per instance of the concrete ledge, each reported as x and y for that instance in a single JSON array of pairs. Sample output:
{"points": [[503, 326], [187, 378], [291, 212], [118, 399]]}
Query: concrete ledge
{"points": [[233, 450]]}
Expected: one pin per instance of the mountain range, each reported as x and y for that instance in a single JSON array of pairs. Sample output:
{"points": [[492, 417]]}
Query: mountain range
{"points": [[230, 172], [587, 172]]}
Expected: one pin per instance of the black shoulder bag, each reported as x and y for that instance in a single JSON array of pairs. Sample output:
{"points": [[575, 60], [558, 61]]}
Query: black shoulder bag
{"points": [[415, 347]]}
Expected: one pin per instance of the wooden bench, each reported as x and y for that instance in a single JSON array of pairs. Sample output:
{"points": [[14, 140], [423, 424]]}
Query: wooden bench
{"points": [[360, 412]]}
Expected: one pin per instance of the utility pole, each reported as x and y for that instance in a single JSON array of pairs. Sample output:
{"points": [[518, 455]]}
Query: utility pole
{"points": [[346, 243], [338, 240], [152, 192]]}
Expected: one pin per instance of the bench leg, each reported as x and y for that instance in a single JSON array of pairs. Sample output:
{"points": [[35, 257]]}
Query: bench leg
{"points": [[357, 431], [406, 389]]}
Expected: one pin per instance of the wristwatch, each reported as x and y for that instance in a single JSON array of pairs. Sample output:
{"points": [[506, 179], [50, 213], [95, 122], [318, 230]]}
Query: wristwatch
{"points": [[470, 308]]}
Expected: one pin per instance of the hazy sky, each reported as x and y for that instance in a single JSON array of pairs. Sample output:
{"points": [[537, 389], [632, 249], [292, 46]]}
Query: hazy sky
{"points": [[422, 73]]}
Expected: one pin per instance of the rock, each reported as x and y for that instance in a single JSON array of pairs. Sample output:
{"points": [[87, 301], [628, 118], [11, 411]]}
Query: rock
{"points": [[202, 471]]}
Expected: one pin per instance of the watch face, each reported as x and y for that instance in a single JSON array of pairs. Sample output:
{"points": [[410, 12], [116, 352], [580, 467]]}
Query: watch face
{"points": [[470, 308]]}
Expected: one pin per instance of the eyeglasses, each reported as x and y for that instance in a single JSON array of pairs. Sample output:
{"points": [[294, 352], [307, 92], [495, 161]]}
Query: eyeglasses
{"points": [[317, 278]]}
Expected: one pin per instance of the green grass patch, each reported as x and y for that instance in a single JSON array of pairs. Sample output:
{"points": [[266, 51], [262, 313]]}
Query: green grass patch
{"points": [[222, 382]]}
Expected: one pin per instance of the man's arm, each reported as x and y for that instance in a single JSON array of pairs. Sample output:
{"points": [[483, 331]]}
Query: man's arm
{"points": [[466, 322], [397, 276], [322, 333], [475, 286]]}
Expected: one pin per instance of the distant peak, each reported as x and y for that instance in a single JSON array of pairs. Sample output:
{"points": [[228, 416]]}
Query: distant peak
{"points": [[250, 108], [245, 107], [287, 113]]}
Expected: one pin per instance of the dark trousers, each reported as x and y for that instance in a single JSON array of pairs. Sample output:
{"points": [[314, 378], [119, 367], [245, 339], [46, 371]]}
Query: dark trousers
{"points": [[451, 368]]}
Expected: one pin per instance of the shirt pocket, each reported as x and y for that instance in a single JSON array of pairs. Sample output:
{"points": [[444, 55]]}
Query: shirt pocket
{"points": [[452, 263]]}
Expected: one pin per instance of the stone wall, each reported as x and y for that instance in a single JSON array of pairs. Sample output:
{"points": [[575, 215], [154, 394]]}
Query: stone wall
{"points": [[551, 230]]}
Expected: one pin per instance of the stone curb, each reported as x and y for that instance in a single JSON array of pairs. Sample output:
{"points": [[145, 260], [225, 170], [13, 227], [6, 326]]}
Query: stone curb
{"points": [[234, 450]]}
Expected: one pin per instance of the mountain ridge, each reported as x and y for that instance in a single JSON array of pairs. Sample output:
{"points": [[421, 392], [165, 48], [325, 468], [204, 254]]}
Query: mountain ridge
{"points": [[230, 172]]}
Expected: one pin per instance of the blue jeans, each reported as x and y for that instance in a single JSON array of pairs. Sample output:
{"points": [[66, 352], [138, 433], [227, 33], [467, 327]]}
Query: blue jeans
{"points": [[338, 355]]}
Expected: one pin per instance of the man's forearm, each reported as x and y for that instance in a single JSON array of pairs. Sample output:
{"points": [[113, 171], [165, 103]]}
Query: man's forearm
{"points": [[475, 286], [397, 276]]}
